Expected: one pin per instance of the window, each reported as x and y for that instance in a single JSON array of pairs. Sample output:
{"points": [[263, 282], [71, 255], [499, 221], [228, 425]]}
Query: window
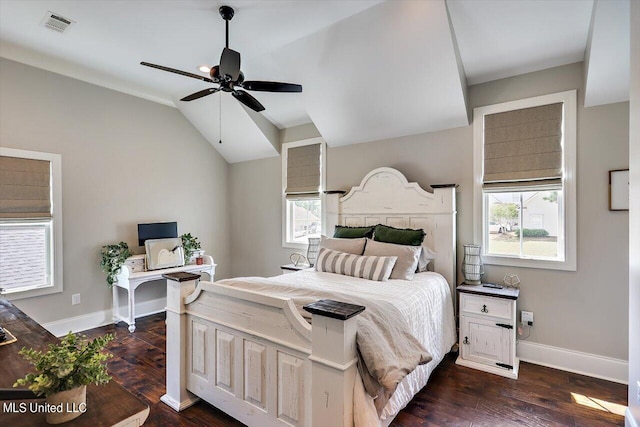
{"points": [[524, 192], [303, 174], [30, 223]]}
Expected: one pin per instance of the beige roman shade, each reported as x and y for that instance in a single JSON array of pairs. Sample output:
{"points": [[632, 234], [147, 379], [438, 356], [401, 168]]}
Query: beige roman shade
{"points": [[303, 171], [25, 188], [523, 148]]}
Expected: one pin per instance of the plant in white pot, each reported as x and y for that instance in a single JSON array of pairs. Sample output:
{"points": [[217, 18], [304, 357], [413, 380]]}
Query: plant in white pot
{"points": [[112, 258], [191, 247], [63, 372]]}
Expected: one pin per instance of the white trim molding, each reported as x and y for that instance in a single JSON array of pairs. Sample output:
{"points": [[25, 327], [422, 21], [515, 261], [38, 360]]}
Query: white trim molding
{"points": [[629, 421], [592, 365], [96, 319], [323, 185], [569, 99], [56, 221]]}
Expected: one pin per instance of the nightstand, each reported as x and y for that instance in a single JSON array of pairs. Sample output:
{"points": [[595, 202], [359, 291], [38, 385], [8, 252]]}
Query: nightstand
{"points": [[291, 268], [488, 329]]}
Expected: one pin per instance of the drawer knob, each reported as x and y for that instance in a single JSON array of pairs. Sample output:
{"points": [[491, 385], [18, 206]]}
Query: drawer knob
{"points": [[484, 309], [466, 340]]}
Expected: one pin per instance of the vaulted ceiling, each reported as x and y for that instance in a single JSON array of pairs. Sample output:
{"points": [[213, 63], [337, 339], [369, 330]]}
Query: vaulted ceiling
{"points": [[370, 69]]}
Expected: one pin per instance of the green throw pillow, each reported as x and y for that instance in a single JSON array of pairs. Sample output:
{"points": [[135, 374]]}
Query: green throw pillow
{"points": [[399, 236], [344, 232]]}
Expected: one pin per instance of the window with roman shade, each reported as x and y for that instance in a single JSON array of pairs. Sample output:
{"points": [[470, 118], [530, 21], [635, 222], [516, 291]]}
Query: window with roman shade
{"points": [[303, 165], [303, 172], [30, 223], [524, 186]]}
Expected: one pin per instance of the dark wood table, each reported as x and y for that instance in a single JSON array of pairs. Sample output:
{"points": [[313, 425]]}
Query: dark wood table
{"points": [[108, 405]]}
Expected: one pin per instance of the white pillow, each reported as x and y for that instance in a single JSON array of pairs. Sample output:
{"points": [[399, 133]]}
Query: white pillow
{"points": [[350, 246], [367, 267], [408, 257], [426, 256]]}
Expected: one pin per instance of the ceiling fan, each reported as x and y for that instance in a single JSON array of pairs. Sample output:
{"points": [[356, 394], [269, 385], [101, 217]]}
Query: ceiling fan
{"points": [[229, 77]]}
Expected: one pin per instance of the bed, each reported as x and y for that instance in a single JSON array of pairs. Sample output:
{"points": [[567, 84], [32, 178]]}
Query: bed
{"points": [[246, 346]]}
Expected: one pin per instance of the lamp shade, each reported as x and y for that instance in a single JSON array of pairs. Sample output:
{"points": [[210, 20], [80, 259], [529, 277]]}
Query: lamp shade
{"points": [[472, 264], [312, 250]]}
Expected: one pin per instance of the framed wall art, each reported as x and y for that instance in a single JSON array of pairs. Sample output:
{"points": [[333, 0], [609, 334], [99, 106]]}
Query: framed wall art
{"points": [[619, 190]]}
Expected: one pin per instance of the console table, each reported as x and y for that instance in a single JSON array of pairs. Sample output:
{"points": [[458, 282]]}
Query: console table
{"points": [[130, 281]]}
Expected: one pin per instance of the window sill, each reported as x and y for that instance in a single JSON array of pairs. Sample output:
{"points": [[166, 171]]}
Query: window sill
{"points": [[16, 295], [297, 246], [566, 265]]}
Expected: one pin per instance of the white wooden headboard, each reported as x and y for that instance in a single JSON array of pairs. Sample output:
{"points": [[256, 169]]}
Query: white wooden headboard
{"points": [[386, 197]]}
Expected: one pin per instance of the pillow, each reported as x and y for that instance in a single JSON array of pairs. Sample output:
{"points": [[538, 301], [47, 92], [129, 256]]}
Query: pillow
{"points": [[367, 267], [408, 257], [426, 256], [350, 246], [344, 232], [399, 236]]}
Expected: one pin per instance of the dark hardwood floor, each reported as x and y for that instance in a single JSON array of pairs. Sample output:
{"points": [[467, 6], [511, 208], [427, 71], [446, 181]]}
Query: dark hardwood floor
{"points": [[455, 395]]}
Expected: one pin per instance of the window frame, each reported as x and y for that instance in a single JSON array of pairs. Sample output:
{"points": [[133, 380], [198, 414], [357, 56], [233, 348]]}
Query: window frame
{"points": [[55, 236], [569, 207], [286, 243]]}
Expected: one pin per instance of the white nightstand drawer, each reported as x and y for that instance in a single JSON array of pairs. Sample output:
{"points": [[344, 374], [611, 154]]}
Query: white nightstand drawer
{"points": [[486, 306]]}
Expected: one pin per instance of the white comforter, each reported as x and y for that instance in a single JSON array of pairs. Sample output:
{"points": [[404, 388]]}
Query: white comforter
{"points": [[426, 304]]}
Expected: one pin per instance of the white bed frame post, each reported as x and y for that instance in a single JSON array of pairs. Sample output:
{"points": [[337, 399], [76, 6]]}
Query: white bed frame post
{"points": [[333, 370], [179, 285]]}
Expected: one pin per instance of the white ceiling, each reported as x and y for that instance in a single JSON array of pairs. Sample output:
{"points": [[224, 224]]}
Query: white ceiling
{"points": [[370, 69]]}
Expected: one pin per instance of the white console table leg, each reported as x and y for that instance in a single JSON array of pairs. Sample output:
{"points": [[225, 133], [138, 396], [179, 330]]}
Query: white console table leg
{"points": [[115, 309], [131, 320]]}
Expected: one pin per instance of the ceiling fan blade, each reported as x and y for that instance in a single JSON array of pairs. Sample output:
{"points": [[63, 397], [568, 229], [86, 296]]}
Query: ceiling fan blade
{"points": [[200, 94], [271, 86], [247, 100], [182, 73], [230, 63]]}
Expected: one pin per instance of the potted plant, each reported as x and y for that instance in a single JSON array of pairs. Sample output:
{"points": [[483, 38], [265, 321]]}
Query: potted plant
{"points": [[63, 372], [191, 247], [113, 257]]}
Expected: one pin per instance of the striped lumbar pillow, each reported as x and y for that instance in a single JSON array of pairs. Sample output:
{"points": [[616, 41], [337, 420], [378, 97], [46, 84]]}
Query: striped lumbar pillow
{"points": [[367, 267]]}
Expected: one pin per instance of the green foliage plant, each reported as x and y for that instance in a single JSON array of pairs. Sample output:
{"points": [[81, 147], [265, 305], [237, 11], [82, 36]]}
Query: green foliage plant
{"points": [[72, 363], [504, 213], [190, 244], [532, 232], [113, 257]]}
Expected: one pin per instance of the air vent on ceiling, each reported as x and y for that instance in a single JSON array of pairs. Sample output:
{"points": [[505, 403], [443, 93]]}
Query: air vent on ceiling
{"points": [[56, 22]]}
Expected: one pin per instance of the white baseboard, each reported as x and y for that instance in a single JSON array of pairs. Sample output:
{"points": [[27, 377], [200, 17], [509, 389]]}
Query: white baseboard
{"points": [[96, 319], [629, 421], [592, 365]]}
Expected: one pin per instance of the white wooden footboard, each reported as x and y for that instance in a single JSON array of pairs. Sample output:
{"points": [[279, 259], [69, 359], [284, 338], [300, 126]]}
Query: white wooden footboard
{"points": [[256, 358]]}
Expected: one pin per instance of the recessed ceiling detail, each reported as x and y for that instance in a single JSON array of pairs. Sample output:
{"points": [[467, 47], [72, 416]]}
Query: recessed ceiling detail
{"points": [[371, 69], [388, 71]]}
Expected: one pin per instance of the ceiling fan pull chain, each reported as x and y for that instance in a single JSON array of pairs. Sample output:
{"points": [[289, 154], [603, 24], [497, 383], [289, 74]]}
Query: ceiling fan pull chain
{"points": [[220, 116]]}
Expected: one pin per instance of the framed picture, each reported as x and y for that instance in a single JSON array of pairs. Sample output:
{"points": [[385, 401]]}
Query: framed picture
{"points": [[164, 253], [619, 190]]}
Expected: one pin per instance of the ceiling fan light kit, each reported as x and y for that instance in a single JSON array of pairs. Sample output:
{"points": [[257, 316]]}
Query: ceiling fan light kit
{"points": [[228, 75]]}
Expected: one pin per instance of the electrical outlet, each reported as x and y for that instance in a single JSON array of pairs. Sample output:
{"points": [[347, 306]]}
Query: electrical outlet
{"points": [[75, 299], [526, 317]]}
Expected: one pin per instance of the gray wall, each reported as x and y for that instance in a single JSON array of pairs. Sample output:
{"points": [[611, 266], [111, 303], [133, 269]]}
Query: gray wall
{"points": [[634, 220], [124, 161], [584, 310]]}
